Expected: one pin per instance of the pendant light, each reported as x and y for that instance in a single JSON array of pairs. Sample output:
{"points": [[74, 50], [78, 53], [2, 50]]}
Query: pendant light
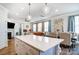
{"points": [[45, 10], [29, 15]]}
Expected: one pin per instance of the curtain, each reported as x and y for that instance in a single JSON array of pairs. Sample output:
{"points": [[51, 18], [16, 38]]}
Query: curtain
{"points": [[31, 26], [71, 24], [49, 29]]}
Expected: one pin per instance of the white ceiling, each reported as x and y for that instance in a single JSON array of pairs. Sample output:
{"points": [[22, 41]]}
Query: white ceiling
{"points": [[20, 10]]}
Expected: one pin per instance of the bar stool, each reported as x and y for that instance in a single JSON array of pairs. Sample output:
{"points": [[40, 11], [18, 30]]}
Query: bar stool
{"points": [[73, 44]]}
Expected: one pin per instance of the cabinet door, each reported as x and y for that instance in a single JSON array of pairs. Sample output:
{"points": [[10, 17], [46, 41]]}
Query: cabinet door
{"points": [[3, 33], [33, 51], [24, 49]]}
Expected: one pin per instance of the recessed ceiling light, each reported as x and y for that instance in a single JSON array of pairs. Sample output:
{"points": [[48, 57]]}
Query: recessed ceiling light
{"points": [[56, 10], [23, 8], [17, 13]]}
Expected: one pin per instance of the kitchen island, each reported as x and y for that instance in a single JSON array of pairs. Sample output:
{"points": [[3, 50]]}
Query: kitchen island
{"points": [[36, 45]]}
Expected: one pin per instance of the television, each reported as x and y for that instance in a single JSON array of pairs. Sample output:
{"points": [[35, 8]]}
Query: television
{"points": [[10, 25]]}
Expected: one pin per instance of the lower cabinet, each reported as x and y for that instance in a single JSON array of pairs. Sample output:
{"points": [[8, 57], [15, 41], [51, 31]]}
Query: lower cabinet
{"points": [[24, 49]]}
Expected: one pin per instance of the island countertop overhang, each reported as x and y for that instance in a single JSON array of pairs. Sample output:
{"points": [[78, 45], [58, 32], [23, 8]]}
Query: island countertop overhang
{"points": [[39, 42]]}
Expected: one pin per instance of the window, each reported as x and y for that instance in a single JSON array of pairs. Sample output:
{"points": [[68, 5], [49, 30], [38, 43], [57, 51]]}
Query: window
{"points": [[39, 27], [46, 25], [34, 27], [42, 26], [77, 24]]}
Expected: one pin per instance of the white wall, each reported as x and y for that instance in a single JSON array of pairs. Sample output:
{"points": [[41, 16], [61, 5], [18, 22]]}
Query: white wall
{"points": [[23, 26], [65, 23], [16, 28], [65, 18], [3, 28], [18, 24]]}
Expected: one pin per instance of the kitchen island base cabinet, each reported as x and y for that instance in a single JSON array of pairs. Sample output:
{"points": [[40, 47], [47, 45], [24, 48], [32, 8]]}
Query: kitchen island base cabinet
{"points": [[23, 48], [51, 51]]}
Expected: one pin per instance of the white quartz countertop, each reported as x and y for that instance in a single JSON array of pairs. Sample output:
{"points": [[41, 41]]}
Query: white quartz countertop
{"points": [[40, 42]]}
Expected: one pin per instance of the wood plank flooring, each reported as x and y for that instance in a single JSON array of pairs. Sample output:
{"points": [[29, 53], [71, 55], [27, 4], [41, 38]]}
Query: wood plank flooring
{"points": [[10, 50]]}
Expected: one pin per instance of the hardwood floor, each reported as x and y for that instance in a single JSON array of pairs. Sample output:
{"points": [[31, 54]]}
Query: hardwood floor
{"points": [[10, 50]]}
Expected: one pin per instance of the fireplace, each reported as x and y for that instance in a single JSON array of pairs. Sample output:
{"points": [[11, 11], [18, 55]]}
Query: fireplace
{"points": [[10, 30], [9, 35]]}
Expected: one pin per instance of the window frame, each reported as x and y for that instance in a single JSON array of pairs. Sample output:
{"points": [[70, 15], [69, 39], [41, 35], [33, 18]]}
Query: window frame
{"points": [[46, 26], [33, 27]]}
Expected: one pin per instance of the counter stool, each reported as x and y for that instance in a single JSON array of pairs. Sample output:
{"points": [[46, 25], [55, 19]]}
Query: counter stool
{"points": [[73, 41]]}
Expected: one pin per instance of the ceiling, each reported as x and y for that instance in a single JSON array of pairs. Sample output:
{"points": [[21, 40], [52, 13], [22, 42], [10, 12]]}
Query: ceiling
{"points": [[20, 10]]}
